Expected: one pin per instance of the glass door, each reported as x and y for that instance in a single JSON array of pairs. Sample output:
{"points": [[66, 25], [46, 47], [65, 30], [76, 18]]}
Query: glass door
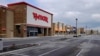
{"points": [[33, 33]]}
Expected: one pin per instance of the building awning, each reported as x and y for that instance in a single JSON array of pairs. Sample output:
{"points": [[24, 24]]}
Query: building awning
{"points": [[37, 26]]}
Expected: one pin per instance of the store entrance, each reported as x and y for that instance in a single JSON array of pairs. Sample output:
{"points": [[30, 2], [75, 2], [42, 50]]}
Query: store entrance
{"points": [[32, 33], [37, 31]]}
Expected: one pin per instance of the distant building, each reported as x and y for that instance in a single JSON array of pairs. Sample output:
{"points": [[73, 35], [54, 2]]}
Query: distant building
{"points": [[92, 32], [59, 28], [82, 31]]}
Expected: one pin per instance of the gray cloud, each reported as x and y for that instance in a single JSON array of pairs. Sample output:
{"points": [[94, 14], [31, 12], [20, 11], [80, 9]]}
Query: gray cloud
{"points": [[68, 10], [87, 11]]}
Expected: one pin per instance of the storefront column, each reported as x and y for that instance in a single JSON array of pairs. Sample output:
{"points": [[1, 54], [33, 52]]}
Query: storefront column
{"points": [[47, 32], [50, 31], [23, 30], [43, 32]]}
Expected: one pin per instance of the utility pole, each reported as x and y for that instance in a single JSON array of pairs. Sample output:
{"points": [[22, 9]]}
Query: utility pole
{"points": [[86, 30], [76, 27]]}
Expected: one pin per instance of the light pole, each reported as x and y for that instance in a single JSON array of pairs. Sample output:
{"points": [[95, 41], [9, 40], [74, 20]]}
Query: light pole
{"points": [[76, 27], [86, 30]]}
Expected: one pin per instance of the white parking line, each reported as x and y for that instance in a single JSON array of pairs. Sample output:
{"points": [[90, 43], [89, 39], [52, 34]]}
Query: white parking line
{"points": [[50, 51], [80, 52], [18, 54]]}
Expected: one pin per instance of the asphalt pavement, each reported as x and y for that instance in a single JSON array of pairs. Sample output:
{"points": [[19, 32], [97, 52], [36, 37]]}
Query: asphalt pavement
{"points": [[87, 45]]}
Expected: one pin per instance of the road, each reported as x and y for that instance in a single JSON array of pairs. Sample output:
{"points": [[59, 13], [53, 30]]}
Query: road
{"points": [[30, 40], [62, 46]]}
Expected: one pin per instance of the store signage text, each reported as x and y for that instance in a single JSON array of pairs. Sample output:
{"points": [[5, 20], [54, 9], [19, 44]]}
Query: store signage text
{"points": [[40, 17]]}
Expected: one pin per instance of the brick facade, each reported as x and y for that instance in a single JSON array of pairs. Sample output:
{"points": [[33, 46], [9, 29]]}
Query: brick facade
{"points": [[6, 22], [19, 19]]}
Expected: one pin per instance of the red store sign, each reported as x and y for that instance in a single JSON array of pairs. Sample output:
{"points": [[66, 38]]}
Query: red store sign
{"points": [[40, 17]]}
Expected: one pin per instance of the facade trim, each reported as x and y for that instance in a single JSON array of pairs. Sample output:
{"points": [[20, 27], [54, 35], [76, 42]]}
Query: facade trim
{"points": [[29, 5], [37, 26]]}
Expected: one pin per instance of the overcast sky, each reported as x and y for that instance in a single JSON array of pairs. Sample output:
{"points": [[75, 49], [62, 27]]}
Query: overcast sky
{"points": [[65, 11]]}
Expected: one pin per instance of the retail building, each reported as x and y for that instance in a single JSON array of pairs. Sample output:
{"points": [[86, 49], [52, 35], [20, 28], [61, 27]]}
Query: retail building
{"points": [[59, 28], [26, 20]]}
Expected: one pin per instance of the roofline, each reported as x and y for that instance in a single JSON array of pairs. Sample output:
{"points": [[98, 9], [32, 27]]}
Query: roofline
{"points": [[1, 6], [29, 5]]}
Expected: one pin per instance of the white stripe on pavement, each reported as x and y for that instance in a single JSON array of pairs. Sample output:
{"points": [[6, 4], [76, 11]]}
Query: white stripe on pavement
{"points": [[80, 52], [50, 51]]}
